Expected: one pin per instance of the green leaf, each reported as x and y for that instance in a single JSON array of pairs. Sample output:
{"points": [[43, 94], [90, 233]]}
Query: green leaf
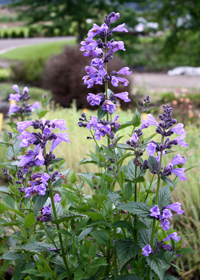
{"points": [[145, 238], [186, 251], [126, 250], [121, 224], [113, 196], [99, 198], [13, 256], [5, 136], [85, 160], [101, 237], [164, 196], [29, 221], [4, 144], [158, 265], [36, 247], [101, 113], [152, 162], [130, 172], [169, 277], [109, 152], [136, 118], [140, 225], [129, 277], [94, 216], [42, 114], [128, 190], [40, 201], [124, 147], [63, 275], [126, 124], [172, 264], [17, 274], [84, 233], [141, 209], [3, 208], [168, 181], [73, 178]]}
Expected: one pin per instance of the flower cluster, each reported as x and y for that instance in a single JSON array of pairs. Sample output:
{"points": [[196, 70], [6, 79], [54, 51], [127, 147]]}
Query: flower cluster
{"points": [[165, 214], [40, 139], [45, 215], [97, 73], [24, 108]]}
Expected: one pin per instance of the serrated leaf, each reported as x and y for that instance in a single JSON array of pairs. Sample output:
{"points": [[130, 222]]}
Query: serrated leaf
{"points": [[126, 250], [129, 277], [109, 152], [113, 196], [169, 277], [168, 181], [141, 209], [152, 162], [158, 265], [17, 274], [121, 224], [128, 190], [13, 256], [94, 216], [29, 220], [85, 160], [124, 147], [164, 197], [101, 237], [84, 233], [36, 247], [99, 198], [131, 171], [140, 225], [145, 238]]}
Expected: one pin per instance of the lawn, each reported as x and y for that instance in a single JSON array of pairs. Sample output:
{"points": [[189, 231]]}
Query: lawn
{"points": [[45, 50]]}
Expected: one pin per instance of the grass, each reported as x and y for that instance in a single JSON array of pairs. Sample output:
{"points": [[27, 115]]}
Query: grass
{"points": [[45, 50]]}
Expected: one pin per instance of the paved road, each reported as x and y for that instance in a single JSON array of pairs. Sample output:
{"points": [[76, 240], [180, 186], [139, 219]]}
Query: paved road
{"points": [[157, 81], [10, 44]]}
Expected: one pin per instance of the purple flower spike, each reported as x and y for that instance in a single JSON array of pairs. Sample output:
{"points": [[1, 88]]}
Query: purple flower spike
{"points": [[41, 189], [123, 96], [120, 28], [151, 148], [176, 207], [60, 138], [114, 16], [151, 120], [61, 124], [173, 236], [117, 45], [13, 108], [46, 210], [15, 97], [147, 250], [155, 212], [124, 71], [116, 80]]}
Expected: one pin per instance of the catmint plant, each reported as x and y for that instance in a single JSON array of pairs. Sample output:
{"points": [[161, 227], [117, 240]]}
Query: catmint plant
{"points": [[124, 229]]}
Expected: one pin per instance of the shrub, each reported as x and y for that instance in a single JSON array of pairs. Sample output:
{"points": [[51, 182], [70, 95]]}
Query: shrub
{"points": [[65, 81], [13, 34], [5, 35], [21, 34], [4, 74], [28, 71]]}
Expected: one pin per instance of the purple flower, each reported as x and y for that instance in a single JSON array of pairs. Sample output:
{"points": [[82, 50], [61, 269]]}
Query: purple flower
{"points": [[123, 96], [13, 109], [94, 76], [178, 129], [35, 106], [60, 138], [178, 160], [15, 97], [15, 87], [165, 224], [116, 80], [46, 210], [97, 62], [93, 53], [116, 45], [166, 214], [173, 235], [44, 178], [109, 106], [114, 16], [134, 138], [101, 130], [151, 148], [180, 140], [26, 159], [92, 122], [56, 198], [155, 212], [21, 126], [88, 45], [94, 99], [147, 250], [39, 159], [145, 124], [41, 189], [58, 124], [27, 139], [179, 172], [120, 28], [151, 120], [176, 207], [124, 71], [97, 29]]}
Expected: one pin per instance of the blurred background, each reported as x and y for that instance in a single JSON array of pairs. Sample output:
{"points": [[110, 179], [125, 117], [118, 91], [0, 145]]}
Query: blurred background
{"points": [[39, 48]]}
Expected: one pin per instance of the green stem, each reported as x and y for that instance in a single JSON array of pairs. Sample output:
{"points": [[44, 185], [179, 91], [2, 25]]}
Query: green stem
{"points": [[47, 266], [149, 187], [41, 224], [58, 227]]}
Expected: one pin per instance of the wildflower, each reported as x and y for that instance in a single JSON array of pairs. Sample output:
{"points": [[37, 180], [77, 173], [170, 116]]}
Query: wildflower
{"points": [[151, 148], [123, 96], [176, 207], [173, 236], [155, 212], [147, 250]]}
